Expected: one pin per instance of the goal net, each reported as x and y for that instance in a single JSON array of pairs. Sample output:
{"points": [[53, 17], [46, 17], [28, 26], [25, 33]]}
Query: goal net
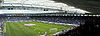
{"points": [[53, 30]]}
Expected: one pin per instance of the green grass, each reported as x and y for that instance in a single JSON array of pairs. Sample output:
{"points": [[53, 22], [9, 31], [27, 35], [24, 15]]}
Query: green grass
{"points": [[19, 29], [0, 35]]}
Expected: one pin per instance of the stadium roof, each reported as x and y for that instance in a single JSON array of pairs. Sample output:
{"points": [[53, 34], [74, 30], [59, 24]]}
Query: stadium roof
{"points": [[49, 3], [92, 6]]}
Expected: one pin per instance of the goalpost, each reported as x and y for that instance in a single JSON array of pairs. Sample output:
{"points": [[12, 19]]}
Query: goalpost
{"points": [[53, 30]]}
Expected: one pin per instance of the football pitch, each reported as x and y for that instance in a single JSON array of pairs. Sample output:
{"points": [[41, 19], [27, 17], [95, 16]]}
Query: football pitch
{"points": [[19, 29]]}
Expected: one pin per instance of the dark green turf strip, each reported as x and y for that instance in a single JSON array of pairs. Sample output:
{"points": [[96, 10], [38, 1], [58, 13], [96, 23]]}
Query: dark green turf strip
{"points": [[18, 28]]}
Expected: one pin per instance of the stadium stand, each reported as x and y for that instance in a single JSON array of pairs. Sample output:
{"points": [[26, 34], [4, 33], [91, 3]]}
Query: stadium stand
{"points": [[57, 19], [88, 25], [14, 18], [90, 28], [67, 14], [67, 20], [61, 19]]}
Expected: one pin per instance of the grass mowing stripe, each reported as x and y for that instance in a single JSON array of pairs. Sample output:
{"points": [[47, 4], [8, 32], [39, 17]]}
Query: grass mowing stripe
{"points": [[19, 29], [8, 30]]}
